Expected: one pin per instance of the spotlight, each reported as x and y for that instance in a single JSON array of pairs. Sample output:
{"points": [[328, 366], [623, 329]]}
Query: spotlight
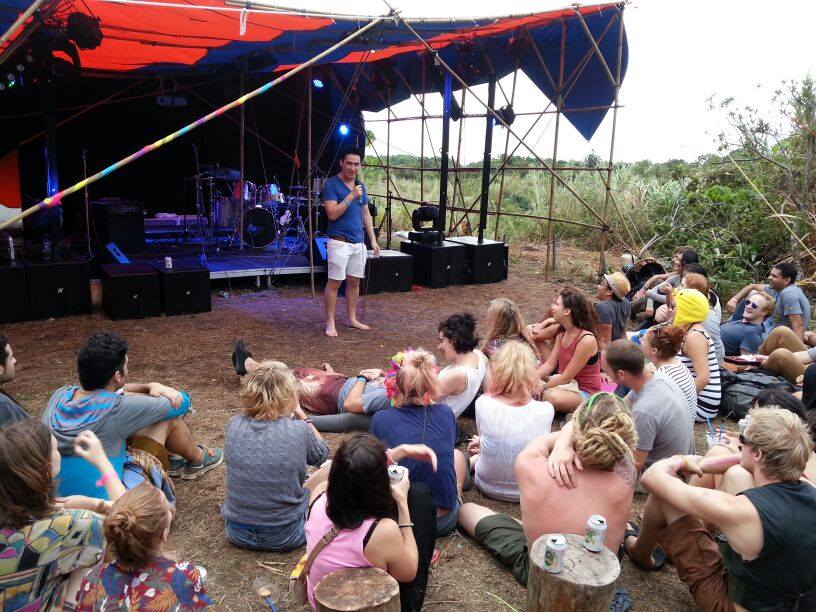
{"points": [[344, 129], [456, 110], [2, 87], [12, 80], [317, 83], [84, 31], [507, 114], [20, 67]]}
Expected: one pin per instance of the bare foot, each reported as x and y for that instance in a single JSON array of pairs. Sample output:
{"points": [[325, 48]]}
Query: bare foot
{"points": [[330, 330], [358, 325], [327, 368]]}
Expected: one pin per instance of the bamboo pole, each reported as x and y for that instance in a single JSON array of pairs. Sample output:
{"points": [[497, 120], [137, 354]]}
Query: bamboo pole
{"points": [[241, 151], [595, 47], [20, 20], [56, 199], [388, 173], [309, 175], [504, 167], [558, 107], [422, 140]]}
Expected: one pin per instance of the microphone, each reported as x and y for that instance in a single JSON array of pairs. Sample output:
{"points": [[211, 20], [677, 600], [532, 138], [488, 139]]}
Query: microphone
{"points": [[357, 184]]}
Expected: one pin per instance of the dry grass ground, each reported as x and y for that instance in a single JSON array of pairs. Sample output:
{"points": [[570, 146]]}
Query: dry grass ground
{"points": [[192, 353]]}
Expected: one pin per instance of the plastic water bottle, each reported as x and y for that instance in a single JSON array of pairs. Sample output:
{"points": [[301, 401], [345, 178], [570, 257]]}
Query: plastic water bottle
{"points": [[46, 249], [11, 248]]}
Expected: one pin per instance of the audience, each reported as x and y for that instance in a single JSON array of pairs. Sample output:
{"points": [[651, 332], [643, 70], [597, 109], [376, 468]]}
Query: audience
{"points": [[696, 277], [766, 560], [660, 345], [417, 419], [612, 308], [792, 306], [461, 380], [268, 449], [371, 521], [697, 351], [507, 418], [46, 544], [600, 438], [506, 323], [653, 293], [10, 410], [138, 575], [745, 335], [659, 409], [147, 415], [574, 355]]}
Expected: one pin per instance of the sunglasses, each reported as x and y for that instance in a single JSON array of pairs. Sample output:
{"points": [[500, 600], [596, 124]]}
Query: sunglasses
{"points": [[751, 304], [743, 441]]}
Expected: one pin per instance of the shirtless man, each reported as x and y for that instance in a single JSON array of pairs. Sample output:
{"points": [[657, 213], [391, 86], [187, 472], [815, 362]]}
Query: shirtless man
{"points": [[604, 485]]}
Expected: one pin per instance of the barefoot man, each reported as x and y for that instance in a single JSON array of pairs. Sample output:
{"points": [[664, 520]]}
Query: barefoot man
{"points": [[346, 203]]}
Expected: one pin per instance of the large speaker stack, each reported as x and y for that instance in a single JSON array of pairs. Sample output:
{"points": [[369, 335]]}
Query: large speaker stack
{"points": [[437, 265], [119, 221]]}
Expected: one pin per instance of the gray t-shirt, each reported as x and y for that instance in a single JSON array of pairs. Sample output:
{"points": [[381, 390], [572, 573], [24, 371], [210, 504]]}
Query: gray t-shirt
{"points": [[374, 398], [616, 313], [10, 410], [662, 420], [266, 469], [790, 301]]}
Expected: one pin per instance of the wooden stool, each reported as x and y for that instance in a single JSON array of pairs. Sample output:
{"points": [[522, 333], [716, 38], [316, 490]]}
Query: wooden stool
{"points": [[587, 582], [357, 590]]}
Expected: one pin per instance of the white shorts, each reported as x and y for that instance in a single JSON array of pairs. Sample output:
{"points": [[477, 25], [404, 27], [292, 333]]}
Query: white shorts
{"points": [[346, 259]]}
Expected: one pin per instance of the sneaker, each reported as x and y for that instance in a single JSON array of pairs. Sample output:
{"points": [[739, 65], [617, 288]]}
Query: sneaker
{"points": [[239, 356], [211, 458], [177, 465]]}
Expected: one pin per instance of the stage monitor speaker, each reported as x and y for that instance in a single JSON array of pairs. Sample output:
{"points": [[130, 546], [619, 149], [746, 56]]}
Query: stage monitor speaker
{"points": [[321, 248], [119, 221], [486, 262], [392, 271], [437, 266], [58, 288], [14, 304], [130, 291], [185, 288]]}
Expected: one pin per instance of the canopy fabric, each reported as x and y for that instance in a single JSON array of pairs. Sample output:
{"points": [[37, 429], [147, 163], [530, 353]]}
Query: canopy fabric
{"points": [[165, 40]]}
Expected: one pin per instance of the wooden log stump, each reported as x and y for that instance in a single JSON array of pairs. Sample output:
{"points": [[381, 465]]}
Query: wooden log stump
{"points": [[587, 582], [357, 590]]}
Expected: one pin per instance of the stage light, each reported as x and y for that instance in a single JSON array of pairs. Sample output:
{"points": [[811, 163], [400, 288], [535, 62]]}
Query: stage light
{"points": [[317, 83], [2, 87], [12, 80], [507, 114], [20, 67], [84, 30], [344, 129]]}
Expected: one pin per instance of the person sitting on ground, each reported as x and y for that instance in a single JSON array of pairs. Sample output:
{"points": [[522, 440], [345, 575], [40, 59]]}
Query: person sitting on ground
{"points": [[461, 380], [736, 479], [138, 575], [602, 443], [507, 419], [378, 523], [506, 323], [651, 295], [766, 560], [149, 416], [47, 543], [417, 419], [784, 353], [792, 306], [267, 450], [544, 333], [698, 352], [660, 345], [744, 336], [575, 353], [612, 308], [808, 382], [10, 410], [659, 408]]}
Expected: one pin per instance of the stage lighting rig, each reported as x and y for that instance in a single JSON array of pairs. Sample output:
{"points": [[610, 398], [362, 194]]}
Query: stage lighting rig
{"points": [[84, 31]]}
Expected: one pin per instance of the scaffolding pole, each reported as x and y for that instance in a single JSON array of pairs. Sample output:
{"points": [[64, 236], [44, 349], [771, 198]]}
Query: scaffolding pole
{"points": [[558, 107]]}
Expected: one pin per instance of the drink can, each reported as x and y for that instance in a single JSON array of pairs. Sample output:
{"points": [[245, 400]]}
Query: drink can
{"points": [[396, 472], [168, 263], [595, 533], [556, 549], [742, 424]]}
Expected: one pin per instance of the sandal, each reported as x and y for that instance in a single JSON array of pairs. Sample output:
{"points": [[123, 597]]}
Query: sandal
{"points": [[658, 554]]}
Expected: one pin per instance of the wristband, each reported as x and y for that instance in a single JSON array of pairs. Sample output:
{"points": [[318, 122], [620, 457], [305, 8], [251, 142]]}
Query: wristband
{"points": [[105, 478], [684, 465], [361, 377], [401, 525], [308, 420]]}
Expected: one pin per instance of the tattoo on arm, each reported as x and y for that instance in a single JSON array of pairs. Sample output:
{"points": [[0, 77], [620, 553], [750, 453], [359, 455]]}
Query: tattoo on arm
{"points": [[625, 468]]}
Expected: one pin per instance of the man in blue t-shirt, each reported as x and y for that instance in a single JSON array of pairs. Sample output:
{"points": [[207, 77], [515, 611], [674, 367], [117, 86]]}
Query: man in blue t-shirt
{"points": [[745, 336], [346, 204]]}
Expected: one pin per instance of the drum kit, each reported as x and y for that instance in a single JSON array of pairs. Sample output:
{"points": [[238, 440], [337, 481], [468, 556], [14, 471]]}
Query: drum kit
{"points": [[272, 220]]}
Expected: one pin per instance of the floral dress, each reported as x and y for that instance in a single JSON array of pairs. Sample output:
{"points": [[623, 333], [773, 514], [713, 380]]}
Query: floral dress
{"points": [[162, 585]]}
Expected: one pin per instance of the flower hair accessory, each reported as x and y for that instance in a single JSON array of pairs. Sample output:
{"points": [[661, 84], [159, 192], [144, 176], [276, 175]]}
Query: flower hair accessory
{"points": [[391, 390]]}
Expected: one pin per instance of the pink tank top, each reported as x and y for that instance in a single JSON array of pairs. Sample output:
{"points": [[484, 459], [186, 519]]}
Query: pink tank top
{"points": [[588, 377], [344, 551]]}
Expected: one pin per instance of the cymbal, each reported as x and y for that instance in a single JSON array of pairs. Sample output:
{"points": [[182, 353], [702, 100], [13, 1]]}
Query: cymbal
{"points": [[227, 174]]}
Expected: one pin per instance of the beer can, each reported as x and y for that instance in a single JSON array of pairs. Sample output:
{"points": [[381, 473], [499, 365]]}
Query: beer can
{"points": [[595, 533], [556, 549], [742, 424], [168, 263], [396, 472]]}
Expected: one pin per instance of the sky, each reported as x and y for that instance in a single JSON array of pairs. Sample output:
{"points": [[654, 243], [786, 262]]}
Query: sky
{"points": [[680, 54]]}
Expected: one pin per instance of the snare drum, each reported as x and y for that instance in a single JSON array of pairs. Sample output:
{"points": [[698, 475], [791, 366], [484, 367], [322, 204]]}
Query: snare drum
{"points": [[250, 192], [269, 195]]}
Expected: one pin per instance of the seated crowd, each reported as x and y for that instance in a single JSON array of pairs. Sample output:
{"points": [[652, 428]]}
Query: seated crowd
{"points": [[573, 416]]}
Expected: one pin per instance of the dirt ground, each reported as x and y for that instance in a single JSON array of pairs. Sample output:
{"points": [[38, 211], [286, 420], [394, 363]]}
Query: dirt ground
{"points": [[192, 353]]}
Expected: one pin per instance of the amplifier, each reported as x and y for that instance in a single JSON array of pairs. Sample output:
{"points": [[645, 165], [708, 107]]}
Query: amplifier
{"points": [[486, 262], [185, 288], [119, 221], [391, 271], [130, 291], [58, 288], [437, 266], [14, 304]]}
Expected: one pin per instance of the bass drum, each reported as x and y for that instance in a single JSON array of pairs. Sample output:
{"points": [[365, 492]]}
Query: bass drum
{"points": [[260, 228]]}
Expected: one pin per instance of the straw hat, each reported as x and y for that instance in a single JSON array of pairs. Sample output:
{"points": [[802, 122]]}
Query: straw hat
{"points": [[619, 284]]}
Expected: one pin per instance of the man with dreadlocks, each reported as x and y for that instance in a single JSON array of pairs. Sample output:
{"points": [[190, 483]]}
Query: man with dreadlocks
{"points": [[603, 438]]}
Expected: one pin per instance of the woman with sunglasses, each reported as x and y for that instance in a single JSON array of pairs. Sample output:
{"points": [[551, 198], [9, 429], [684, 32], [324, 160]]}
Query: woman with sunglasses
{"points": [[661, 344]]}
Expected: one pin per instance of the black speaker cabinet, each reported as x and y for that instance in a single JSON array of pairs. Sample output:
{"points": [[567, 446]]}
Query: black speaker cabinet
{"points": [[486, 262], [14, 304], [391, 271], [58, 288], [185, 288], [437, 265], [119, 221], [130, 291]]}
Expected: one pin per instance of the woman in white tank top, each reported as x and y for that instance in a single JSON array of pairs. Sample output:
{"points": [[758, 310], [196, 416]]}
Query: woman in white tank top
{"points": [[461, 380]]}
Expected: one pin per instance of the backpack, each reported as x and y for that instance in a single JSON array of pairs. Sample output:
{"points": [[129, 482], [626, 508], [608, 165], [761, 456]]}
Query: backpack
{"points": [[739, 390]]}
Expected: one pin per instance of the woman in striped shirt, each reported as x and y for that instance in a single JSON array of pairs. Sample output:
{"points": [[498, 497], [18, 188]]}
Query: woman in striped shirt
{"points": [[660, 345], [697, 351]]}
